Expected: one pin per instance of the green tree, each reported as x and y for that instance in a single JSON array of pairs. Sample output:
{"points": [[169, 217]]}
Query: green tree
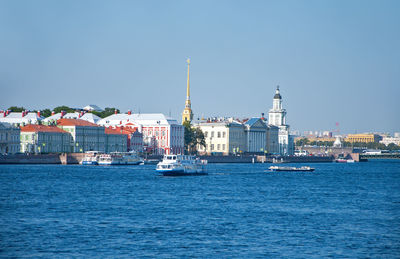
{"points": [[107, 112], [302, 142], [16, 109], [193, 137], [393, 146], [45, 113], [63, 108], [199, 136]]}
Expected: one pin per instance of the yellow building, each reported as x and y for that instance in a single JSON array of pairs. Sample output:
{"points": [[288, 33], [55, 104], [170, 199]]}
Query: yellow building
{"points": [[362, 138], [187, 114]]}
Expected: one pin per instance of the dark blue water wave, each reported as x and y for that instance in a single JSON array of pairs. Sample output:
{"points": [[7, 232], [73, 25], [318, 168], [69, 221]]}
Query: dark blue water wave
{"points": [[238, 210]]}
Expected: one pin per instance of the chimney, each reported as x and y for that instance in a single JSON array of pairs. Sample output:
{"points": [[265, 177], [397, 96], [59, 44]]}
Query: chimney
{"points": [[115, 111], [262, 116], [52, 113], [81, 114], [23, 113], [62, 114], [129, 112], [38, 113]]}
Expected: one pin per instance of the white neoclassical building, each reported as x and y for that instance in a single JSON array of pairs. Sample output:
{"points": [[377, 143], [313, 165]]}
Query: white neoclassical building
{"points": [[230, 136], [256, 135], [277, 117], [223, 137]]}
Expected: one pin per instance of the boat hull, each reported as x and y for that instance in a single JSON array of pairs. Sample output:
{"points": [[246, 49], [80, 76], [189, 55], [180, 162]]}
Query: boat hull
{"points": [[344, 161], [89, 163], [293, 170], [179, 173], [120, 163]]}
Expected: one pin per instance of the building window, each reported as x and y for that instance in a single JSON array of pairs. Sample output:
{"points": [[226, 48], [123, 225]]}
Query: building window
{"points": [[205, 133], [223, 134], [223, 146], [212, 147], [218, 134], [212, 134], [218, 146]]}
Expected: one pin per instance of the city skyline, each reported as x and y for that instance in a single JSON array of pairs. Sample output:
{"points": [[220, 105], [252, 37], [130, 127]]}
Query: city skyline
{"points": [[334, 61]]}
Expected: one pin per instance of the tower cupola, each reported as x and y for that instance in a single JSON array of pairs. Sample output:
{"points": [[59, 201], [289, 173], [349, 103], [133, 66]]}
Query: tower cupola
{"points": [[277, 93]]}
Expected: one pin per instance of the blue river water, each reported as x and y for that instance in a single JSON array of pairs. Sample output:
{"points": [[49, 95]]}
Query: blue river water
{"points": [[237, 211]]}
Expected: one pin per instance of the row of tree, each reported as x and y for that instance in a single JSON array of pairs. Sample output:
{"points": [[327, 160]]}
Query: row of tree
{"points": [[47, 112]]}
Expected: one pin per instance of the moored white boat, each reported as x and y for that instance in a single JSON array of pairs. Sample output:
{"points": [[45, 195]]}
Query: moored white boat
{"points": [[181, 165], [343, 160], [291, 169], [119, 158], [91, 158]]}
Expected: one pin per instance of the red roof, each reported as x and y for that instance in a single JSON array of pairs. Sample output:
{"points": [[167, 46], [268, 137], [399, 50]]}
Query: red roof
{"points": [[41, 128], [114, 131], [127, 129], [75, 122]]}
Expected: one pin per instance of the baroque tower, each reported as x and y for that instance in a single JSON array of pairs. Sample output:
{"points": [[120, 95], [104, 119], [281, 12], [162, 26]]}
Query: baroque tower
{"points": [[187, 114], [277, 115], [277, 118]]}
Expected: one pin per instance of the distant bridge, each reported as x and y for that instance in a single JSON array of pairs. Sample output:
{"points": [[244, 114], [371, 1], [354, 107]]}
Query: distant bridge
{"points": [[380, 156]]}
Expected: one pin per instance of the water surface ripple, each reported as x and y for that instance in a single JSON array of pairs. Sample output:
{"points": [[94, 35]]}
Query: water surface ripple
{"points": [[238, 210]]}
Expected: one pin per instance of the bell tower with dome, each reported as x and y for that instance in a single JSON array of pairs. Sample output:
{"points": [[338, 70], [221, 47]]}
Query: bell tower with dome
{"points": [[277, 115], [187, 114], [277, 118]]}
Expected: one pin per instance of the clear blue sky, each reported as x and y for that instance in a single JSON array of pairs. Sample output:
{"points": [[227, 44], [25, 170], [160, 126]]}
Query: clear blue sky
{"points": [[336, 61]]}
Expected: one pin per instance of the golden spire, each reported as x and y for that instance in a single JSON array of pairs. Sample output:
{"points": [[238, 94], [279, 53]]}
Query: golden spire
{"points": [[187, 114], [188, 81]]}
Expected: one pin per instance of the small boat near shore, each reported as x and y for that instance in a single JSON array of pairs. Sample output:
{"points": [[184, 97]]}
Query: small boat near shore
{"points": [[91, 158], [181, 165], [119, 158], [291, 169], [343, 160]]}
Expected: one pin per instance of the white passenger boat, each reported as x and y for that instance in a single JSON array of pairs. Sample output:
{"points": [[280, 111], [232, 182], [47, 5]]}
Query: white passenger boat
{"points": [[344, 160], [181, 165], [291, 169], [120, 158], [91, 158]]}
